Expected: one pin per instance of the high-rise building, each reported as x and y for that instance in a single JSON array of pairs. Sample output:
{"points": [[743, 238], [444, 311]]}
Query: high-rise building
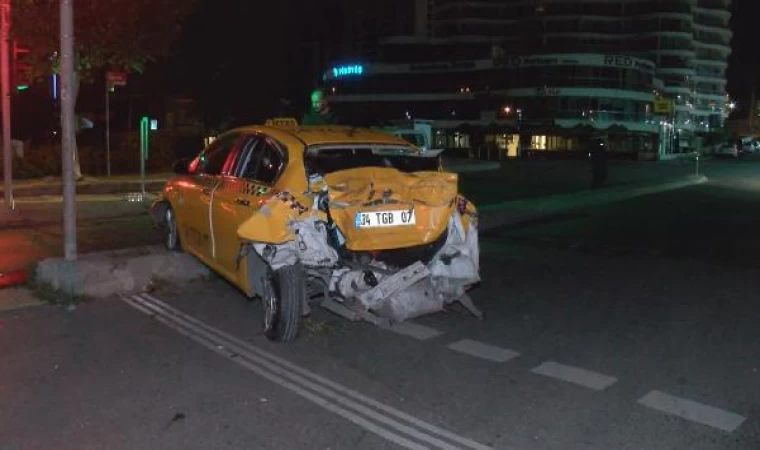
{"points": [[368, 22], [650, 74]]}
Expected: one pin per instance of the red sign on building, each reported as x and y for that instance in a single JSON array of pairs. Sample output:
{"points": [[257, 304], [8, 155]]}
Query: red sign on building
{"points": [[116, 78]]}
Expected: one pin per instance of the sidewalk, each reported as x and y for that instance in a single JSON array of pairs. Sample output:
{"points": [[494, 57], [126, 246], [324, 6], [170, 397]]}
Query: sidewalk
{"points": [[116, 184]]}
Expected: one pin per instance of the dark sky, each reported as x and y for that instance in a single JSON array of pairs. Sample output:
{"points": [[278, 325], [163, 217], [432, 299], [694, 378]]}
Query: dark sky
{"points": [[744, 63], [241, 57], [258, 52]]}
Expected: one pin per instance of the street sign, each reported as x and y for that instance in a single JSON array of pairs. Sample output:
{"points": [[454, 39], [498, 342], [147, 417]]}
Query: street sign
{"points": [[116, 78], [663, 106]]}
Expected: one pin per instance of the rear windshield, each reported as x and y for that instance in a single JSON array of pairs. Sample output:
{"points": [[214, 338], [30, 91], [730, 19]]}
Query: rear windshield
{"points": [[325, 160]]}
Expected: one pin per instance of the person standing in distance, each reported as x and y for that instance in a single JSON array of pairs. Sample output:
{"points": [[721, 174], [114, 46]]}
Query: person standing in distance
{"points": [[319, 113]]}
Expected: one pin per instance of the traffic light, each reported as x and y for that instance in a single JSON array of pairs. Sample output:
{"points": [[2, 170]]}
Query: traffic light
{"points": [[21, 70]]}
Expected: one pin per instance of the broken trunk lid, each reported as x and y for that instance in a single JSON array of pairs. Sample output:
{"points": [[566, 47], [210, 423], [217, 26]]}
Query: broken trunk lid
{"points": [[382, 208]]}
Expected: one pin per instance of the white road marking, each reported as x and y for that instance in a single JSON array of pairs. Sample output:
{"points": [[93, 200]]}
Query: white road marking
{"points": [[576, 375], [691, 410], [309, 385], [484, 351], [416, 331]]}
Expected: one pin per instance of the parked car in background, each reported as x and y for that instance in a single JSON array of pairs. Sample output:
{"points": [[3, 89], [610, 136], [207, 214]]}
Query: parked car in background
{"points": [[728, 150], [750, 145]]}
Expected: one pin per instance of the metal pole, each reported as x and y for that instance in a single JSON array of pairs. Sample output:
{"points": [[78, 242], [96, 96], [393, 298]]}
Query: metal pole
{"points": [[108, 131], [5, 80], [143, 151], [68, 130]]}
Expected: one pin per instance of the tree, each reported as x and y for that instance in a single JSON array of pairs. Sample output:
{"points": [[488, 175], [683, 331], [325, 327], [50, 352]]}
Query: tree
{"points": [[110, 34]]}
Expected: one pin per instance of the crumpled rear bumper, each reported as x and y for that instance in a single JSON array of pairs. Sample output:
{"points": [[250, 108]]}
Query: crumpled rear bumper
{"points": [[393, 293]]}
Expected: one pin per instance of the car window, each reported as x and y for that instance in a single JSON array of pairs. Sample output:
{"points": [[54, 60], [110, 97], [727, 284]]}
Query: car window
{"points": [[249, 158], [270, 164], [264, 161], [325, 160], [212, 160]]}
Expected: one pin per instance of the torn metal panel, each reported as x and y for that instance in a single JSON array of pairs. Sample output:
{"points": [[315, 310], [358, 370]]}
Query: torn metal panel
{"points": [[393, 284], [417, 300], [309, 246], [312, 243], [459, 259]]}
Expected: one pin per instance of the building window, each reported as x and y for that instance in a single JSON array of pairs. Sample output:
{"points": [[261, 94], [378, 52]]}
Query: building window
{"points": [[452, 140]]}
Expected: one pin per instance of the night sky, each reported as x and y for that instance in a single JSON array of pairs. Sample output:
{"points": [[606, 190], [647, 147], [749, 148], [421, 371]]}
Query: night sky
{"points": [[247, 60], [744, 63], [242, 59]]}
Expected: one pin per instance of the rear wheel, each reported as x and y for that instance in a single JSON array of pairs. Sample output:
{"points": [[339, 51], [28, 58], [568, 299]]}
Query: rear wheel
{"points": [[283, 303]]}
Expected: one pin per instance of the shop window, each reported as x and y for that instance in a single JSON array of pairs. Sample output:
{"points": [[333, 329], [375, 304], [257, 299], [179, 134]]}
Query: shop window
{"points": [[538, 142]]}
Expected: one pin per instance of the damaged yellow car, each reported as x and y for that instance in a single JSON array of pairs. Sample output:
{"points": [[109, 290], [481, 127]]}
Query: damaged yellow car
{"points": [[360, 222]]}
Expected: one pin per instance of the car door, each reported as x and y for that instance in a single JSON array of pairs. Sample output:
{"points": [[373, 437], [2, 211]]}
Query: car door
{"points": [[195, 228], [259, 163]]}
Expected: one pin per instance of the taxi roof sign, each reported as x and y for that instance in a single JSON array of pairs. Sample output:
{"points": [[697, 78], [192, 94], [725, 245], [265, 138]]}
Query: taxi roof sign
{"points": [[282, 122]]}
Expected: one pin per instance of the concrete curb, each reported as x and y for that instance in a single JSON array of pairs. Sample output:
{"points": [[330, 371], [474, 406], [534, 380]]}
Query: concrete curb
{"points": [[104, 274], [496, 215]]}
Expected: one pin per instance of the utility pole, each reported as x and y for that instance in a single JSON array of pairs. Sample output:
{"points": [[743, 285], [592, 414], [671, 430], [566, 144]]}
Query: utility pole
{"points": [[68, 91], [5, 92], [108, 128]]}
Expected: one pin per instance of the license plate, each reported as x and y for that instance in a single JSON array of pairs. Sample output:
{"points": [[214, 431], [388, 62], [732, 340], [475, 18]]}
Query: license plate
{"points": [[382, 219]]}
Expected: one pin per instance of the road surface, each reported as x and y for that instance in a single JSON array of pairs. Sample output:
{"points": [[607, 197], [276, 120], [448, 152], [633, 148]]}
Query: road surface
{"points": [[628, 326]]}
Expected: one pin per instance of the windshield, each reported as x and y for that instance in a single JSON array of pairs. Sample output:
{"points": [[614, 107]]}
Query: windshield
{"points": [[325, 160]]}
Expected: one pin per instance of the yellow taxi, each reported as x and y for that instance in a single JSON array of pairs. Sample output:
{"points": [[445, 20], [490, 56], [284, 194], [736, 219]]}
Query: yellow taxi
{"points": [[359, 221]]}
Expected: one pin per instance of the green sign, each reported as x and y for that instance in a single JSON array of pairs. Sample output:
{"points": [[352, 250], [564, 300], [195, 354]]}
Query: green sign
{"points": [[144, 131]]}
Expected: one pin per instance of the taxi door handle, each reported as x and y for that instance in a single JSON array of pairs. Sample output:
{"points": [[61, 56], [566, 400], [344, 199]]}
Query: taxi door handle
{"points": [[243, 201]]}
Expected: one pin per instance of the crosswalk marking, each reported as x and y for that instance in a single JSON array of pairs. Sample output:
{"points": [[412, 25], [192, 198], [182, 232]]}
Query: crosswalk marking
{"points": [[484, 351], [691, 410], [575, 375]]}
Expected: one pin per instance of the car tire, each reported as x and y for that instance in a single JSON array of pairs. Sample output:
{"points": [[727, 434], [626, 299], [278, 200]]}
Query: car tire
{"points": [[283, 304], [171, 231]]}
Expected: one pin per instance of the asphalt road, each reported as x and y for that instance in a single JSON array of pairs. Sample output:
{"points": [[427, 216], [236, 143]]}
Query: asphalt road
{"points": [[628, 326]]}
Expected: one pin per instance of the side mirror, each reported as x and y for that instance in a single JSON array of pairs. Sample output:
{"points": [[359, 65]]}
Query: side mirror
{"points": [[182, 166]]}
